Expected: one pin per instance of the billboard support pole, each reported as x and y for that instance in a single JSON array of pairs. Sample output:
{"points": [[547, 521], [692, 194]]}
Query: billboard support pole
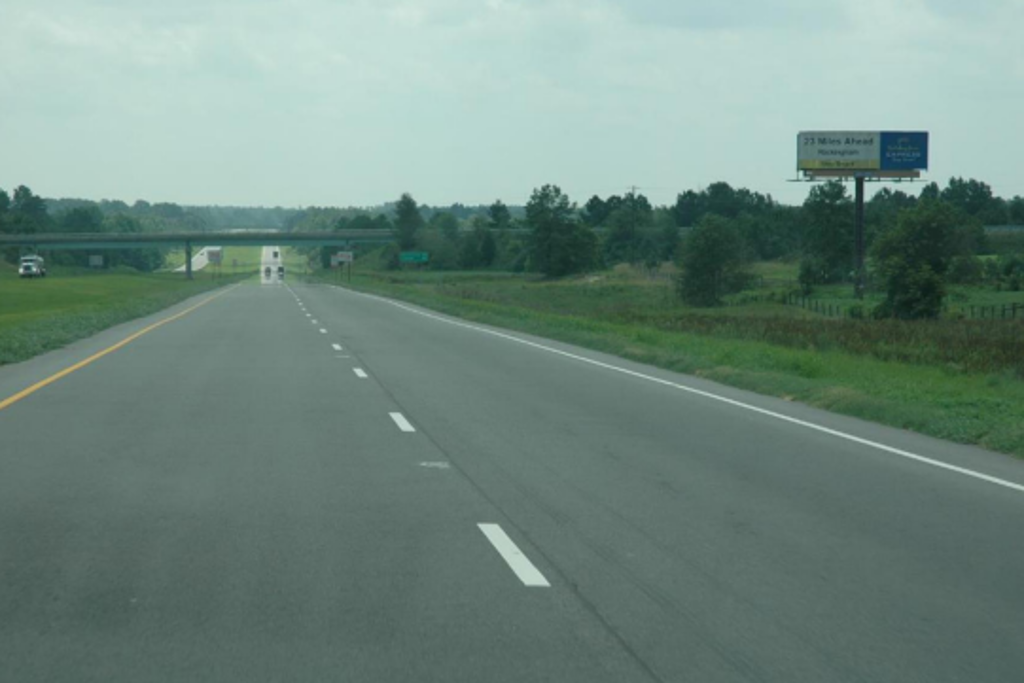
{"points": [[859, 238]]}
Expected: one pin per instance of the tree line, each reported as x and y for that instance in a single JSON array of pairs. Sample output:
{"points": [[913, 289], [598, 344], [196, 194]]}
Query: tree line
{"points": [[713, 234], [916, 244], [23, 212]]}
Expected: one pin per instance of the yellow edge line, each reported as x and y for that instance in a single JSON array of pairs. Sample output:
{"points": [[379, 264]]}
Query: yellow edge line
{"points": [[95, 357]]}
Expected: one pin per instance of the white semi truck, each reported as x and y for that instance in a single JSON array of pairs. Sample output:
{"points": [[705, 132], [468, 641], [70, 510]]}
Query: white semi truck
{"points": [[32, 266]]}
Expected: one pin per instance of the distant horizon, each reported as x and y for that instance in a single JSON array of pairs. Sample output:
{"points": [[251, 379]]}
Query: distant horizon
{"points": [[873, 187]]}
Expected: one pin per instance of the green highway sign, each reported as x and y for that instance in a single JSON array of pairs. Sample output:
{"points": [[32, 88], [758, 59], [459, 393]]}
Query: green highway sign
{"points": [[414, 257]]}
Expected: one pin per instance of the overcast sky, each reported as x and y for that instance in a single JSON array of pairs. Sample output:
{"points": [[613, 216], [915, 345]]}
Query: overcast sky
{"points": [[351, 102]]}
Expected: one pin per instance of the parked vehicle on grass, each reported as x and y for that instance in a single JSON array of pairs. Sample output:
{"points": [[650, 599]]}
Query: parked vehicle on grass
{"points": [[32, 266]]}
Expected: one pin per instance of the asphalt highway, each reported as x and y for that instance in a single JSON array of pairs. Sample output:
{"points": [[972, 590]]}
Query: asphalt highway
{"points": [[199, 261], [304, 483]]}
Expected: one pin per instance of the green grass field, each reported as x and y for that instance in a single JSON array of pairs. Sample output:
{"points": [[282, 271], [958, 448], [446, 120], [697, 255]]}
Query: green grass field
{"points": [[39, 315], [957, 380]]}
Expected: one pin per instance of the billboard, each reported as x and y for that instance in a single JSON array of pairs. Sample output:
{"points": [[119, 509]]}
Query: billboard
{"points": [[904, 151], [862, 152]]}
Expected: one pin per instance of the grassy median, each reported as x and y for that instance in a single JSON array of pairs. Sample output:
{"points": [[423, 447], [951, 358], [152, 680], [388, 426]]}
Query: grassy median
{"points": [[956, 380], [38, 315]]}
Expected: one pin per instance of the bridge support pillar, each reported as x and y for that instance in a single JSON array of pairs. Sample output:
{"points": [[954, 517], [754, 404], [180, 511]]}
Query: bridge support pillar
{"points": [[188, 260]]}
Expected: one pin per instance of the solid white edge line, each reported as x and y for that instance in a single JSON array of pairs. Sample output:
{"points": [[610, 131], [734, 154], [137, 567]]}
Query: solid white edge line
{"points": [[514, 557], [336, 347], [715, 397], [360, 373], [402, 423]]}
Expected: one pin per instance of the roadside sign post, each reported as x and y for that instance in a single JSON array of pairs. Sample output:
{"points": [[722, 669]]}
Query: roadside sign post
{"points": [[343, 257], [862, 156], [418, 257]]}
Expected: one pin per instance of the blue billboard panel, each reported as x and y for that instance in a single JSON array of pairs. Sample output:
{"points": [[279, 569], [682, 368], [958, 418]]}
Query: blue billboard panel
{"points": [[903, 151]]}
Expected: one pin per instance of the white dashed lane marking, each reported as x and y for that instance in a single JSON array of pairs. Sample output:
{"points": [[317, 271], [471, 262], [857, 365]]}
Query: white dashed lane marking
{"points": [[402, 423], [510, 552]]}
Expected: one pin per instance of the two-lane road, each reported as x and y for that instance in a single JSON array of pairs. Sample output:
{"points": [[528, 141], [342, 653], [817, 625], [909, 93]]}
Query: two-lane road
{"points": [[305, 483]]}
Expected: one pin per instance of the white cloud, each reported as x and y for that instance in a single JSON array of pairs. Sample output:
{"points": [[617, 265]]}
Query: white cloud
{"points": [[310, 101]]}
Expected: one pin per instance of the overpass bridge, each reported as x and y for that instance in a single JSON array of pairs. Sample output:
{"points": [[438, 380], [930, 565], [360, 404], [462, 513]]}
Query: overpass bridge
{"points": [[188, 240]]}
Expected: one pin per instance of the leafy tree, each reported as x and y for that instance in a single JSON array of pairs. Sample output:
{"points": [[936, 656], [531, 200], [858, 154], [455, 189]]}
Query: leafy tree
{"points": [[881, 211], [627, 226], [5, 205], [966, 269], [828, 230], [146, 259], [714, 262], [721, 199], [687, 209], [488, 249], [666, 234], [560, 244], [113, 206], [469, 250], [447, 223], [168, 210], [408, 221], [1015, 209], [361, 221], [84, 219], [772, 233], [970, 196], [595, 212], [444, 253], [930, 191], [499, 216], [996, 213], [913, 259], [27, 213]]}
